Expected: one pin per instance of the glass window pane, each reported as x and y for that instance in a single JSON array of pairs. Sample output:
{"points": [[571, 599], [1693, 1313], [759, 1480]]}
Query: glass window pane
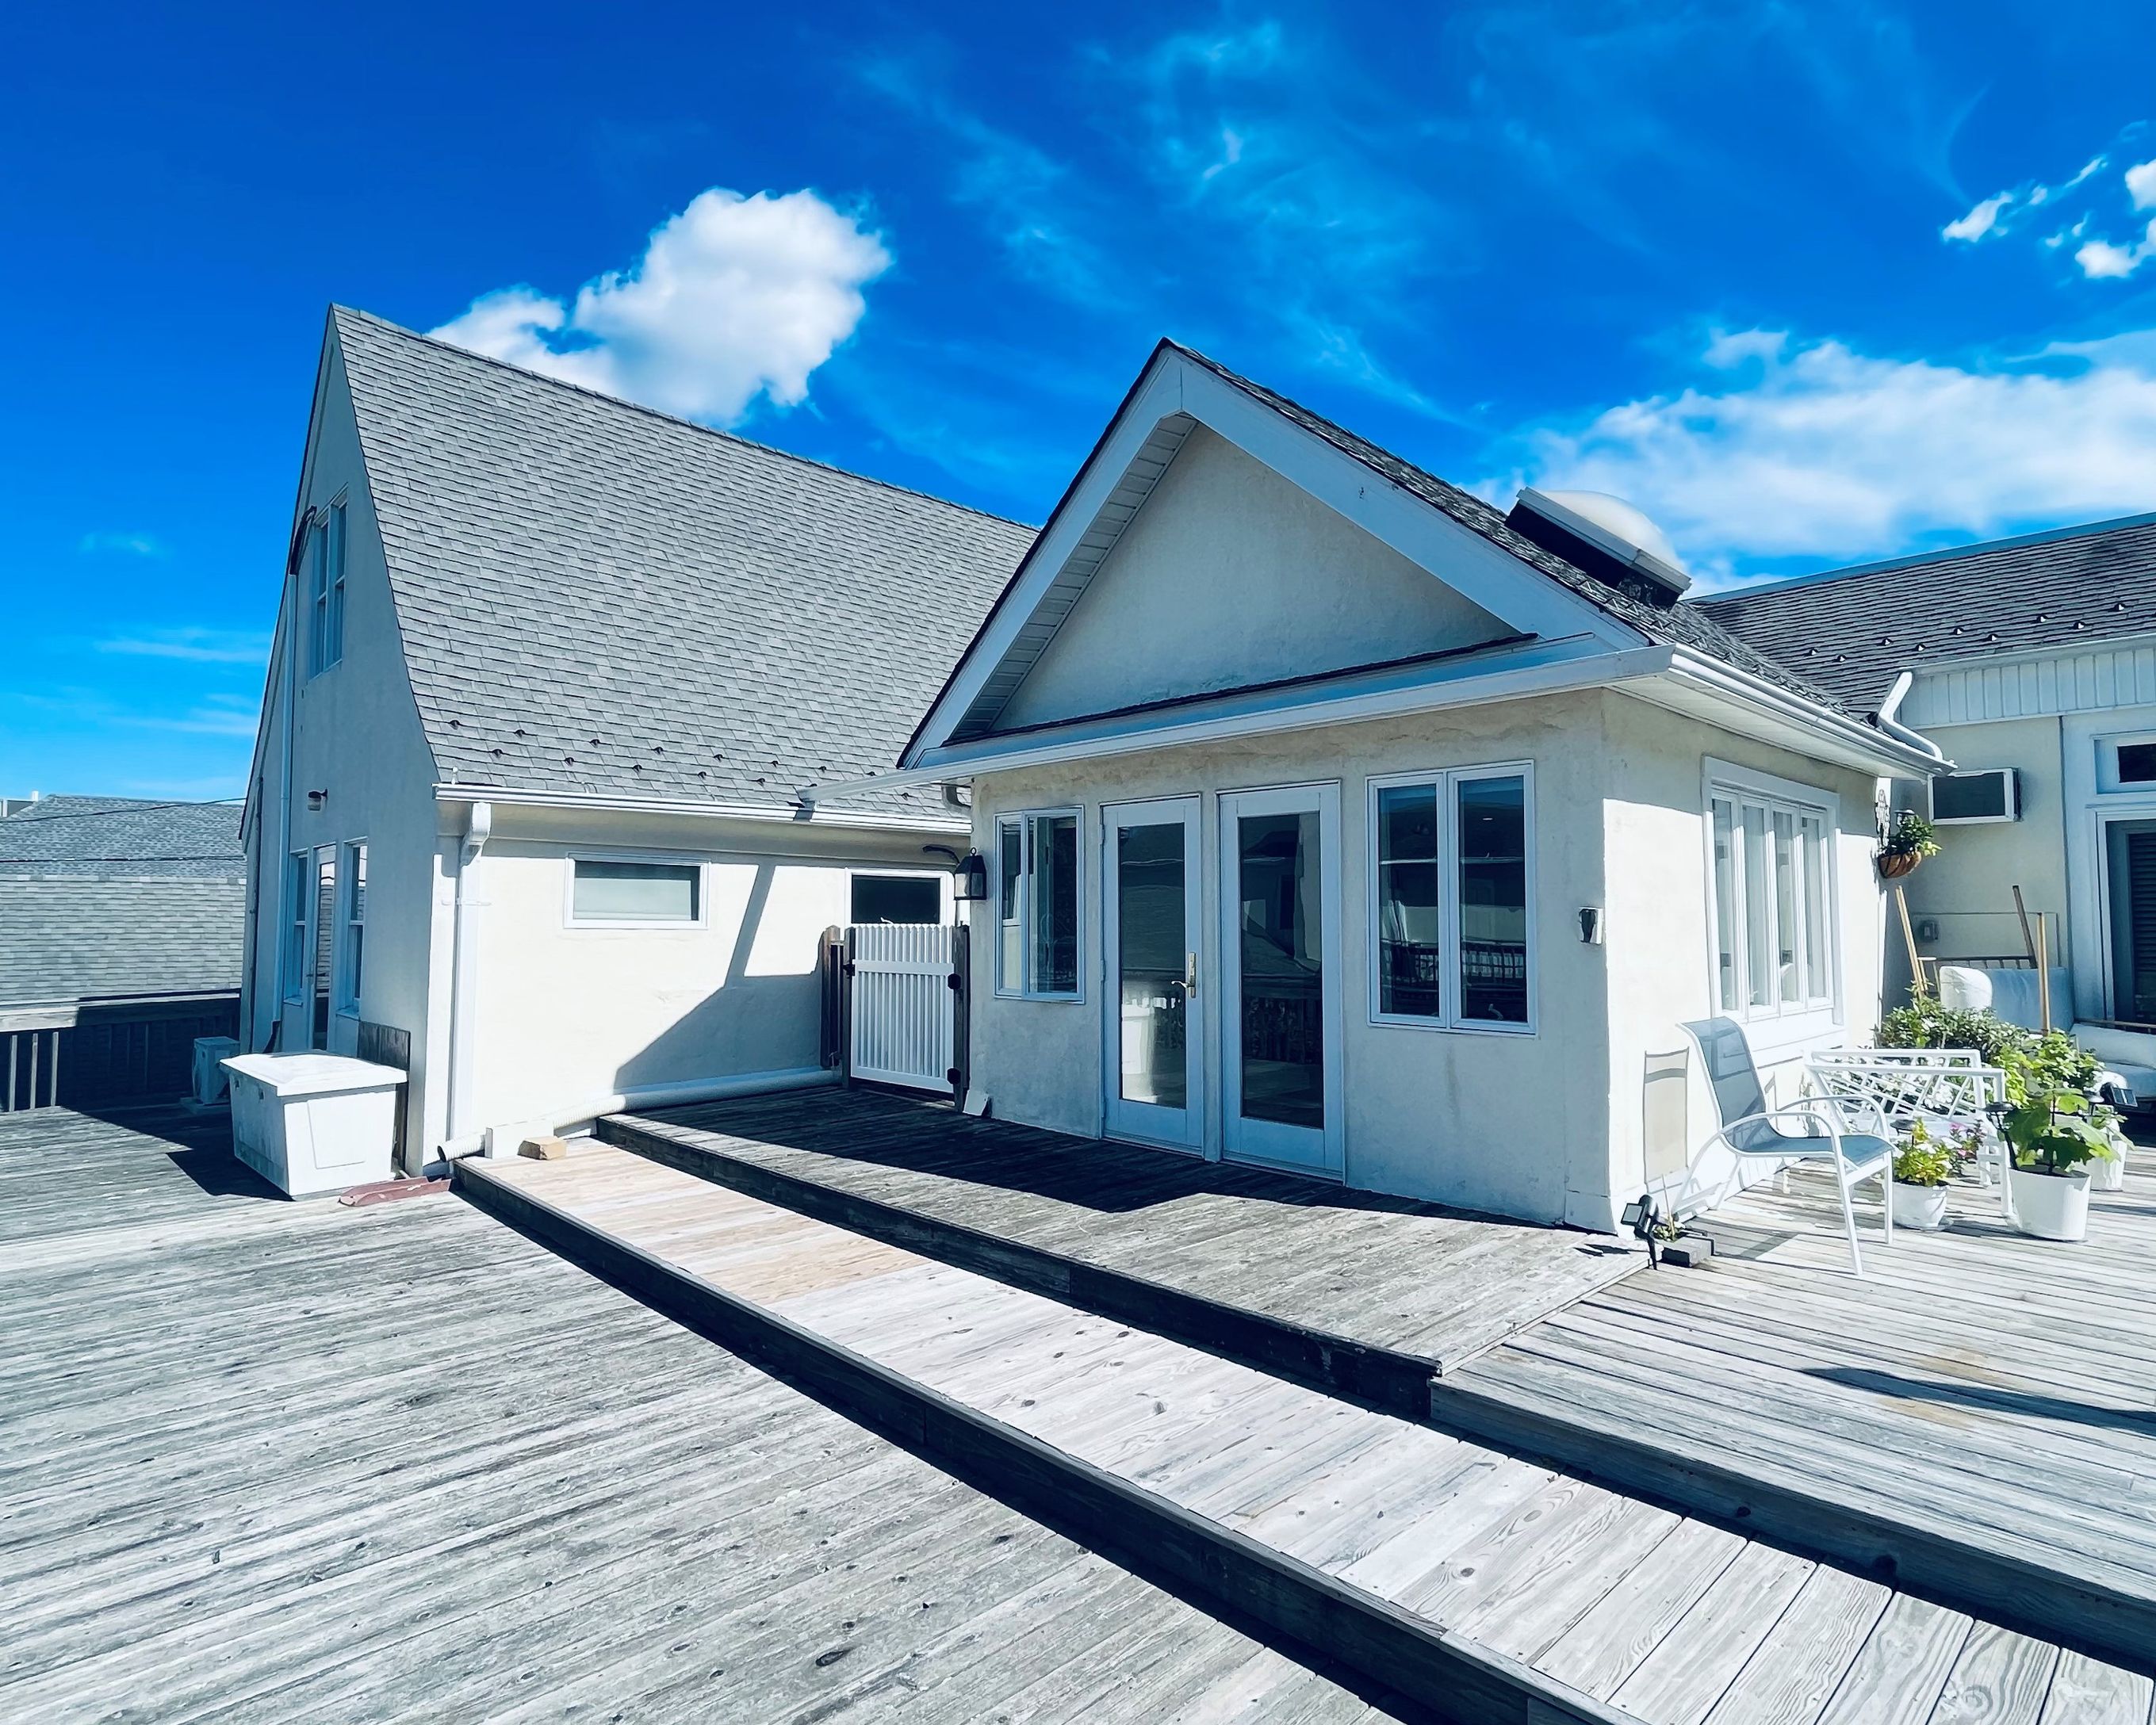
{"points": [[1410, 955], [2130, 854], [1493, 900], [1758, 930], [1818, 963], [636, 892], [1055, 903], [1407, 823], [1791, 983], [894, 899], [1010, 934], [1728, 902], [1150, 944], [1283, 969]]}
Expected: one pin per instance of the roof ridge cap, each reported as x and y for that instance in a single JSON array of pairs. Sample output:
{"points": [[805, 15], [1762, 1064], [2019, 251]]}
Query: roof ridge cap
{"points": [[338, 310]]}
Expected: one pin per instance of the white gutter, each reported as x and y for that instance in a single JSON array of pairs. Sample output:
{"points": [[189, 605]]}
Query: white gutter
{"points": [[1720, 677], [502, 1139], [1894, 728], [464, 964], [799, 815]]}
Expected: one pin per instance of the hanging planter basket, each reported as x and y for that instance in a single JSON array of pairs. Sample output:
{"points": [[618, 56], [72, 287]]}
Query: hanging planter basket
{"points": [[1893, 865]]}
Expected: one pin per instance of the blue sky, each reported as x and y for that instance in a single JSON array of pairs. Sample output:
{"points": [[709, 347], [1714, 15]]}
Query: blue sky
{"points": [[1810, 283]]}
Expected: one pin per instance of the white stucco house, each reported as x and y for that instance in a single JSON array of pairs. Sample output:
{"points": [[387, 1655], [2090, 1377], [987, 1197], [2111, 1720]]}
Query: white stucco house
{"points": [[1335, 822], [548, 668], [2031, 662]]}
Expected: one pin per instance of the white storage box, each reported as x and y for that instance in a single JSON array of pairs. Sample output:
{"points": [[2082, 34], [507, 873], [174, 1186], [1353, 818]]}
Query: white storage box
{"points": [[313, 1123], [211, 1053]]}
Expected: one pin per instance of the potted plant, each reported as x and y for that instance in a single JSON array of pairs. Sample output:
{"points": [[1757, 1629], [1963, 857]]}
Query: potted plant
{"points": [[2055, 1132], [1908, 841], [1922, 1167]]}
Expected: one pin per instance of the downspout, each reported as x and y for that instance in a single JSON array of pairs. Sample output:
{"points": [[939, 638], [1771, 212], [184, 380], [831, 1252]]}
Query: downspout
{"points": [[284, 860], [464, 967], [1894, 728]]}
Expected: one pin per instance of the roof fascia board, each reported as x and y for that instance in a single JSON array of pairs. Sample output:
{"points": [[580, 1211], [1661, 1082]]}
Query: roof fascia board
{"points": [[1484, 573], [580, 801], [1815, 731], [1540, 670], [1157, 395], [2034, 655]]}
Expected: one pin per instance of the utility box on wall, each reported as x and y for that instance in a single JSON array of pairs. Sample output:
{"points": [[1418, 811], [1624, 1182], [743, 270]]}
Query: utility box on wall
{"points": [[312, 1124]]}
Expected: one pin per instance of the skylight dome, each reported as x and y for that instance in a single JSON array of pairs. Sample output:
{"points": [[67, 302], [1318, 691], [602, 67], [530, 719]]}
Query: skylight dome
{"points": [[1615, 516], [1607, 538]]}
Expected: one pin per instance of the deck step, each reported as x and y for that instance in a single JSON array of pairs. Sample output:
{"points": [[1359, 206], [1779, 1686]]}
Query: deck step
{"points": [[1240, 1577]]}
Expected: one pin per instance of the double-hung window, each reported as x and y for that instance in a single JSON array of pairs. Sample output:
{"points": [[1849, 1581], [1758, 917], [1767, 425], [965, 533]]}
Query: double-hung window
{"points": [[298, 890], [1773, 892], [1037, 904], [355, 925], [325, 582], [1452, 881]]}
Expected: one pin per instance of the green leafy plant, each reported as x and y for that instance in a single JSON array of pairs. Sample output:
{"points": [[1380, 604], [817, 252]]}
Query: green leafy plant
{"points": [[2039, 1065], [2053, 1125], [1924, 1023], [1920, 1160], [1911, 836]]}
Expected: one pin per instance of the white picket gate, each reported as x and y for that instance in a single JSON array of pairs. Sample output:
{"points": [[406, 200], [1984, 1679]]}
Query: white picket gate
{"points": [[904, 1011]]}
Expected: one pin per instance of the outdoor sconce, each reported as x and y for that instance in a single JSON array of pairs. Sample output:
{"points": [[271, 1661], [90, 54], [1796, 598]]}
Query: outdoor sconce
{"points": [[1590, 924], [316, 798], [969, 881]]}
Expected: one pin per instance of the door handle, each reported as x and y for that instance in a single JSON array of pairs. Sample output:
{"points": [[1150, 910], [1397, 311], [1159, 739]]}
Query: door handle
{"points": [[1190, 973]]}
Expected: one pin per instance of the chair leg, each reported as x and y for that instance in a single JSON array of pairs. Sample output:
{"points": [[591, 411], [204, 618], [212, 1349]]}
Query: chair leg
{"points": [[1886, 1205], [1849, 1227]]}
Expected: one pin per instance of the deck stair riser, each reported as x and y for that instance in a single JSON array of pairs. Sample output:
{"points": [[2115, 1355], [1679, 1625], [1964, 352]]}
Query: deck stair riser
{"points": [[1457, 1679], [1380, 1378]]}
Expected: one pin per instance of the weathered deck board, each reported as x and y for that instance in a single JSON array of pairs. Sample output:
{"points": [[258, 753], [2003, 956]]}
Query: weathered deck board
{"points": [[261, 1461], [1434, 1284], [1982, 1389], [1675, 1620]]}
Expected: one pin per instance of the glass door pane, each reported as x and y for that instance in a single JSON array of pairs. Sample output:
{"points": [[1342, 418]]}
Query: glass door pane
{"points": [[2132, 849], [324, 947], [1151, 945], [1282, 968]]}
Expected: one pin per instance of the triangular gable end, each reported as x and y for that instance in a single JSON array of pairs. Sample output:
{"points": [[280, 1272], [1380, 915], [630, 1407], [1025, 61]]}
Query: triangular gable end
{"points": [[1190, 447]]}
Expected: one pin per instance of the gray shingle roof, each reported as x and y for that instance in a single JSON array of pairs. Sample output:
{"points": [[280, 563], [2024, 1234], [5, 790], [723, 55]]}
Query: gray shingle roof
{"points": [[122, 836], [69, 939], [1854, 630], [599, 598], [1684, 624]]}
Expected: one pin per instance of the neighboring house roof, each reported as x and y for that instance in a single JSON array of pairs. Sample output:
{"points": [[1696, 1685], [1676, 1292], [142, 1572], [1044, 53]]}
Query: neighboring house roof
{"points": [[68, 938], [597, 598], [122, 836], [1683, 624], [1856, 630]]}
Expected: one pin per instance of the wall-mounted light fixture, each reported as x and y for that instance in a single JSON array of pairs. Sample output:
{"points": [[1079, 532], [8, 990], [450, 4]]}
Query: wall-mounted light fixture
{"points": [[969, 883], [316, 798], [1590, 924]]}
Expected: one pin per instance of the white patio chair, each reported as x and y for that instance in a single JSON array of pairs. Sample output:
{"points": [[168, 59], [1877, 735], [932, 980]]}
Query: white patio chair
{"points": [[1849, 1135], [1949, 1090]]}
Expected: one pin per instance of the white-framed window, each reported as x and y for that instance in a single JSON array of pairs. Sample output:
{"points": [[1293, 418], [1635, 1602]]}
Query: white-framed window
{"points": [[874, 898], [326, 585], [350, 972], [1037, 899], [1452, 874], [634, 893], [1772, 894], [299, 894]]}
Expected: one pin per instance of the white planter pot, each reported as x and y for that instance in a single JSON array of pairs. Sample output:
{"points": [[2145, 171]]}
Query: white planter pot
{"points": [[2052, 1206], [1923, 1208]]}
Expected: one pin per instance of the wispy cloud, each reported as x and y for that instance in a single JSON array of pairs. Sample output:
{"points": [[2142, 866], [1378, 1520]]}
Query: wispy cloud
{"points": [[216, 716], [734, 300], [2101, 259], [202, 645], [1787, 447], [131, 544], [2098, 257]]}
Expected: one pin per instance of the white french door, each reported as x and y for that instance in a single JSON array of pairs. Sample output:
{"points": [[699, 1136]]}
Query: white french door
{"points": [[1279, 977], [1151, 1015]]}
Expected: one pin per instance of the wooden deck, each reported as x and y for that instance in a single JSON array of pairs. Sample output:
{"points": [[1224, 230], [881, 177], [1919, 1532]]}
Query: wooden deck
{"points": [[1441, 1559], [267, 1461], [1419, 1283], [1990, 1392]]}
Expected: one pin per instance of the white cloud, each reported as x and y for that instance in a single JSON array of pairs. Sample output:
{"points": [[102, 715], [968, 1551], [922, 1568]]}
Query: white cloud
{"points": [[211, 646], [1814, 449], [2141, 185], [733, 299], [1981, 220], [2099, 259], [133, 544]]}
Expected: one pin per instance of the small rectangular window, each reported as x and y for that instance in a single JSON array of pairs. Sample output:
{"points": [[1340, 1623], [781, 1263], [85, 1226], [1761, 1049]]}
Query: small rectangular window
{"points": [[318, 598], [335, 650], [354, 924], [1037, 905], [2136, 763], [896, 898], [631, 892], [1450, 895], [298, 886]]}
